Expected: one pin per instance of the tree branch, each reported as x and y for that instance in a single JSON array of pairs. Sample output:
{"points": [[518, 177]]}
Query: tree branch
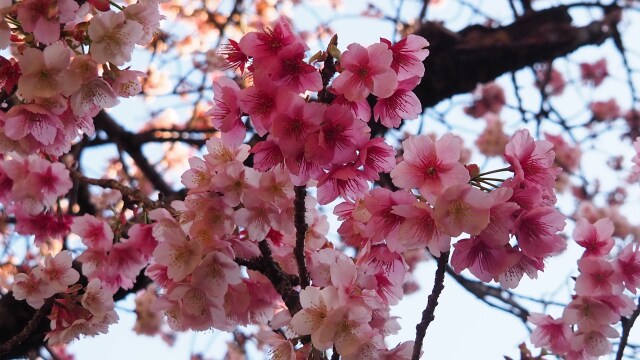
{"points": [[485, 292], [428, 315], [479, 54], [126, 140], [301, 233], [627, 324]]}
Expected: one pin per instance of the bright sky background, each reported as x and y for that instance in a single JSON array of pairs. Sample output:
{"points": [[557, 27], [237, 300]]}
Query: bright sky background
{"points": [[464, 327]]}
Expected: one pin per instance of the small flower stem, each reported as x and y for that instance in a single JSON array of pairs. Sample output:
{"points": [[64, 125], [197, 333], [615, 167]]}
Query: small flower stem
{"points": [[479, 186], [491, 172], [490, 179], [301, 232], [116, 5], [428, 315], [488, 183]]}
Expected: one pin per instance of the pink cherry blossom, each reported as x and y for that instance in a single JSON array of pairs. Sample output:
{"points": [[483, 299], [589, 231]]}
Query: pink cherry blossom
{"points": [[536, 231], [259, 101], [488, 99], [408, 55], [627, 263], [532, 161], [418, 229], [567, 155], [96, 299], [32, 122], [270, 42], [588, 313], [492, 140], [594, 343], [386, 269], [462, 208], [384, 222], [376, 156], [113, 37], [289, 69], [32, 287], [550, 80], [257, 217], [92, 97], [366, 71], [46, 73], [234, 56], [605, 110], [595, 238], [595, 73], [44, 226], [484, 261], [52, 179], [95, 233], [496, 233], [428, 166], [597, 277], [10, 73], [403, 104], [145, 13], [295, 121], [339, 136], [344, 181], [57, 271], [215, 273], [43, 17], [225, 113], [179, 254], [127, 83], [551, 333], [220, 155], [267, 155]]}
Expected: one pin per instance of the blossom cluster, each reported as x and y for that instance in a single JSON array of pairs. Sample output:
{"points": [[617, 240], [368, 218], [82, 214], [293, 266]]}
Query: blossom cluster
{"points": [[583, 330], [235, 211], [245, 204], [66, 68], [118, 264]]}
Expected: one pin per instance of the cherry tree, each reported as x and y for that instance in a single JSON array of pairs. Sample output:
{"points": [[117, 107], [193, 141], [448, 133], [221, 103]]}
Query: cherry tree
{"points": [[285, 179]]}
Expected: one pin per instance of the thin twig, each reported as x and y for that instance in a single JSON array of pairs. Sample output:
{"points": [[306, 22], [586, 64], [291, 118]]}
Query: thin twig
{"points": [[627, 324], [133, 194], [428, 315]]}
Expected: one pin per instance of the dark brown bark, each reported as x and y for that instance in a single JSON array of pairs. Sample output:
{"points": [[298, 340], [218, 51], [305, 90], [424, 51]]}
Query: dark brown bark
{"points": [[478, 54]]}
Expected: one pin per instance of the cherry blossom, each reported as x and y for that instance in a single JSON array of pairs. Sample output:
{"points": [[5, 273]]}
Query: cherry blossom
{"points": [[113, 37], [428, 166], [366, 71]]}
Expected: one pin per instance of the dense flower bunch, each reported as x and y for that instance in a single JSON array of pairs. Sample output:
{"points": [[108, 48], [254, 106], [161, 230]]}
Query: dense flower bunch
{"points": [[67, 68], [69, 64], [599, 302], [237, 211], [248, 224]]}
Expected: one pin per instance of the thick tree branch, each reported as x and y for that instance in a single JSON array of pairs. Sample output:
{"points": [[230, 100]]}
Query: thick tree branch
{"points": [[126, 140], [19, 315], [281, 281], [301, 233], [478, 54]]}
